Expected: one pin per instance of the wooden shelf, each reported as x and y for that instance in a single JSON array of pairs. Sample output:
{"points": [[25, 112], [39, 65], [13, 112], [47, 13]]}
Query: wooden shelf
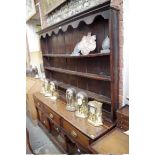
{"points": [[71, 56], [97, 97], [81, 74]]}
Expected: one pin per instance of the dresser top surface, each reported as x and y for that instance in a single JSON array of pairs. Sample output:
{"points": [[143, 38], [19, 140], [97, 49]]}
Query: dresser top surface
{"points": [[114, 142], [81, 124]]}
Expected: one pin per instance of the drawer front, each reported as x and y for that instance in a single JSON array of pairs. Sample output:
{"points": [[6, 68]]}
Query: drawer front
{"points": [[75, 134], [52, 115], [44, 120]]}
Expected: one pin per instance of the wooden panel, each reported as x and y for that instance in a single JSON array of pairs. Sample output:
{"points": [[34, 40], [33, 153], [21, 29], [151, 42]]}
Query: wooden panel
{"points": [[32, 86], [60, 42], [75, 134], [123, 118], [46, 61], [98, 65], [47, 74], [98, 27], [99, 87], [71, 64], [114, 60], [91, 95], [44, 47], [50, 45], [115, 142], [81, 65], [60, 67], [81, 83], [68, 40], [52, 115], [54, 43], [57, 62], [44, 120]]}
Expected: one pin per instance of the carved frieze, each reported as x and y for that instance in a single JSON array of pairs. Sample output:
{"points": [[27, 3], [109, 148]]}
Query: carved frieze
{"points": [[69, 9]]}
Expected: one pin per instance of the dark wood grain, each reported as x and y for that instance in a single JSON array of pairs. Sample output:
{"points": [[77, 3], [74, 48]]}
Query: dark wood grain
{"points": [[72, 56], [97, 74], [90, 94], [115, 142], [87, 75], [123, 118], [86, 16], [81, 124], [114, 59]]}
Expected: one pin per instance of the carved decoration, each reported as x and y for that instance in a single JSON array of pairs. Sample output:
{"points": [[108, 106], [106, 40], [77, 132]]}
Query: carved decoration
{"points": [[69, 9], [88, 20], [30, 9], [50, 5]]}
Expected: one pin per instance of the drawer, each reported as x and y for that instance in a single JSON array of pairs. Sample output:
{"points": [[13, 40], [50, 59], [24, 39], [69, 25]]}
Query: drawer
{"points": [[75, 134], [52, 115], [44, 120]]}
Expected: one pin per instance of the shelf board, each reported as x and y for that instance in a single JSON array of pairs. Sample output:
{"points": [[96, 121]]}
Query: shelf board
{"points": [[81, 74], [71, 56], [97, 97]]}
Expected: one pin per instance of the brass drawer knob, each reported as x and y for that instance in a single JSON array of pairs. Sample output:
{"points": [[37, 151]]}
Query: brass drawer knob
{"points": [[51, 115], [57, 129], [73, 133], [44, 121]]}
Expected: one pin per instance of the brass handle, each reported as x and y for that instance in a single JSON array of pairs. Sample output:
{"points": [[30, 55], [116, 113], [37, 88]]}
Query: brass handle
{"points": [[44, 121], [38, 103], [51, 115], [73, 133]]}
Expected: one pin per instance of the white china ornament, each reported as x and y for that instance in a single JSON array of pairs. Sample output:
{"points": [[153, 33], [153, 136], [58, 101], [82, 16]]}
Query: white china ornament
{"points": [[106, 45], [87, 44]]}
